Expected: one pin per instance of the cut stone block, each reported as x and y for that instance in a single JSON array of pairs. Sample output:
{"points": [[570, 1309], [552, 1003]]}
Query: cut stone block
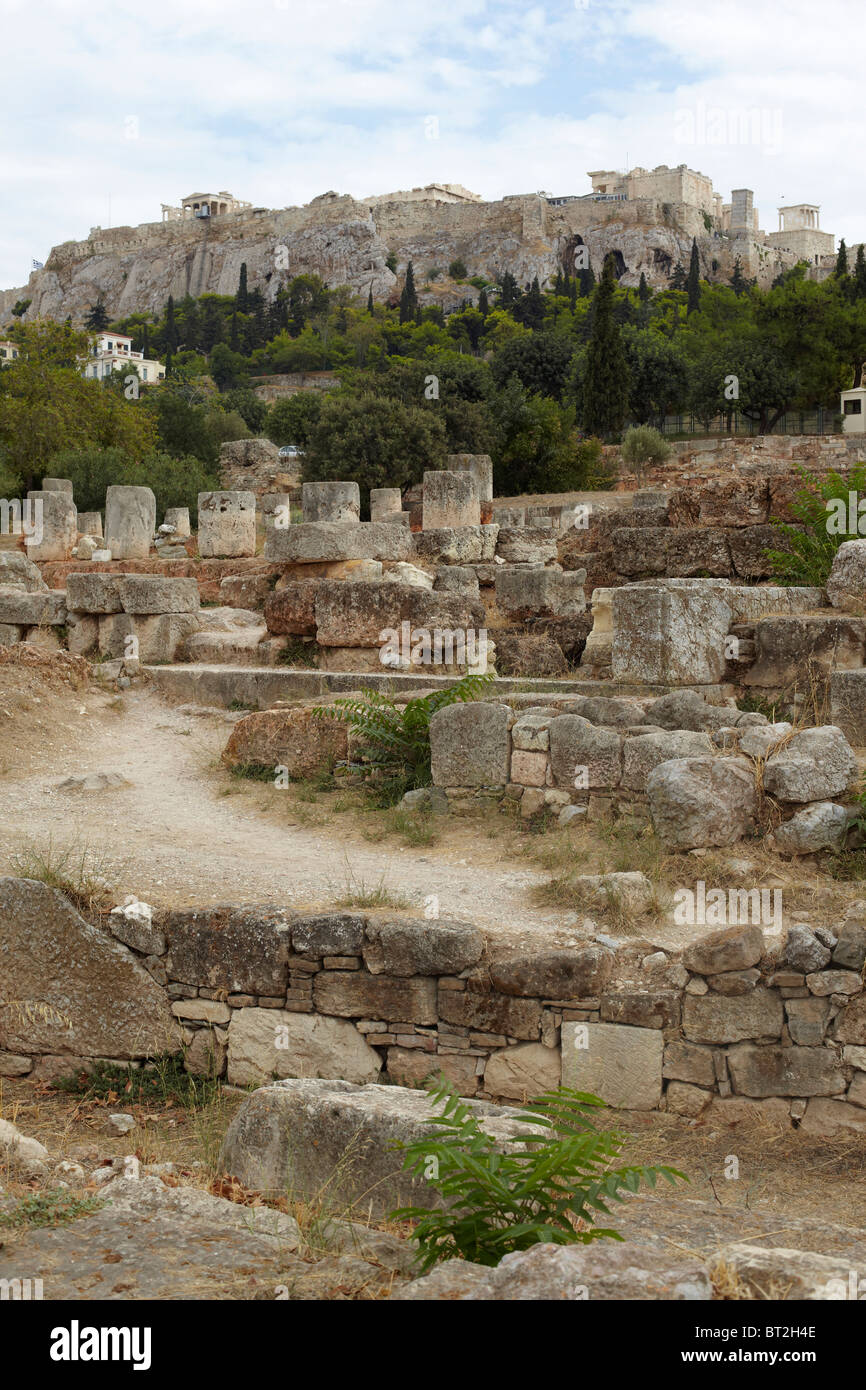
{"points": [[670, 633], [53, 526], [178, 517], [523, 593], [337, 503], [450, 500], [317, 541], [266, 1043], [620, 1064], [385, 502], [480, 466], [130, 521], [469, 745], [226, 524], [90, 524]]}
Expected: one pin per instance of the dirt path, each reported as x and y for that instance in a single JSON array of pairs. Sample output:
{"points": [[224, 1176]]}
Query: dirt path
{"points": [[173, 837]]}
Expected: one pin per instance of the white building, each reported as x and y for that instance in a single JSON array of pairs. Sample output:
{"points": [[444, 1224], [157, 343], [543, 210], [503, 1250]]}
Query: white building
{"points": [[114, 350], [8, 351]]}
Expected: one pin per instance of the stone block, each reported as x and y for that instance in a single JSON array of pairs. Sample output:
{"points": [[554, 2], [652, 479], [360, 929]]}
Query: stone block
{"points": [[523, 592], [527, 545], [785, 1071], [807, 1020], [54, 523], [329, 934], [130, 521], [57, 485], [437, 947], [480, 466], [685, 1061], [647, 751], [155, 593], [469, 745], [90, 524], [720, 1018], [242, 950], [450, 499], [291, 609], [582, 755], [579, 972], [385, 502], [226, 524], [17, 571], [413, 1067], [671, 633], [521, 1073], [98, 1000], [45, 609], [320, 541], [848, 704], [333, 502], [814, 765], [491, 1012], [528, 769], [620, 1064], [789, 650], [695, 552], [266, 1043], [178, 517], [355, 994], [732, 948]]}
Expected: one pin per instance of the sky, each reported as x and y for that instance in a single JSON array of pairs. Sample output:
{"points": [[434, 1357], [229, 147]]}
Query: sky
{"points": [[109, 111]]}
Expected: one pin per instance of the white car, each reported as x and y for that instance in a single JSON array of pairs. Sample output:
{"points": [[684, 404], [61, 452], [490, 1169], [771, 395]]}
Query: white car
{"points": [[290, 451]]}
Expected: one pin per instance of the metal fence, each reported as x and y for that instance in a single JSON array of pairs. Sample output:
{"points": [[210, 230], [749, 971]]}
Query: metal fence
{"points": [[819, 421]]}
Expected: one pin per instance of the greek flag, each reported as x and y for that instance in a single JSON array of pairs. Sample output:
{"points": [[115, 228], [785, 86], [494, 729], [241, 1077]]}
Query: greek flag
{"points": [[38, 265]]}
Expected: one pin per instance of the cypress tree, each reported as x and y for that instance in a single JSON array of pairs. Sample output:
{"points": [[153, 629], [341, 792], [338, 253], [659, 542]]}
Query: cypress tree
{"points": [[605, 387], [842, 261], [693, 283], [409, 297], [860, 274], [678, 277], [234, 341], [738, 280], [370, 299], [483, 304], [242, 296], [644, 293], [170, 326]]}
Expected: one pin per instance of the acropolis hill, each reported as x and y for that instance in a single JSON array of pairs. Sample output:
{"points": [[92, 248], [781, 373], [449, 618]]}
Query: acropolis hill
{"points": [[647, 218]]}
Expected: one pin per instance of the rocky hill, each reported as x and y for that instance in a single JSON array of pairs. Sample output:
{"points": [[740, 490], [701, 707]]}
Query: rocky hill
{"points": [[346, 242]]}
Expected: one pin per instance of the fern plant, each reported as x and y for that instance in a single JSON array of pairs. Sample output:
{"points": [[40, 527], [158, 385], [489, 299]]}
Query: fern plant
{"points": [[811, 543], [549, 1186], [394, 740]]}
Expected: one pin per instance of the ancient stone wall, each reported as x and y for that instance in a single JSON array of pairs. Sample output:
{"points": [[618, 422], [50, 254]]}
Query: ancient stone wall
{"points": [[738, 1020]]}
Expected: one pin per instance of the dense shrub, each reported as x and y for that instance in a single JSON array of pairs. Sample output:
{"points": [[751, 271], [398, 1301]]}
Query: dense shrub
{"points": [[175, 482]]}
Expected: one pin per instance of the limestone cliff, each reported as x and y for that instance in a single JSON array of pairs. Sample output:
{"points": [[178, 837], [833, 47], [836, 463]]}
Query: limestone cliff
{"points": [[135, 269]]}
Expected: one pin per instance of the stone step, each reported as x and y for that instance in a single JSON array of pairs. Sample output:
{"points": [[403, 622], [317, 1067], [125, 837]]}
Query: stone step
{"points": [[261, 686]]}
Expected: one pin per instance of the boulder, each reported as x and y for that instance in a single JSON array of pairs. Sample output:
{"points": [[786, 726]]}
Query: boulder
{"points": [[308, 1136], [846, 583], [647, 751], [289, 738], [819, 826], [701, 802], [733, 948], [69, 988], [603, 1271], [20, 572], [815, 765]]}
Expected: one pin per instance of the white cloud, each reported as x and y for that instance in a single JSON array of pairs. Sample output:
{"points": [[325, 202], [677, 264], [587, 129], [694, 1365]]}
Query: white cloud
{"points": [[280, 101]]}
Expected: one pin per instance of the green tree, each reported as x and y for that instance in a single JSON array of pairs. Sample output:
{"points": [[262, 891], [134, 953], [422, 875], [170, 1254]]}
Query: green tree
{"points": [[644, 293], [860, 273], [370, 299], [842, 261], [97, 318], [738, 281], [606, 384], [242, 299], [409, 297], [457, 269], [246, 403], [658, 373], [291, 418], [374, 441], [541, 362], [678, 277], [46, 404], [228, 369], [693, 281]]}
